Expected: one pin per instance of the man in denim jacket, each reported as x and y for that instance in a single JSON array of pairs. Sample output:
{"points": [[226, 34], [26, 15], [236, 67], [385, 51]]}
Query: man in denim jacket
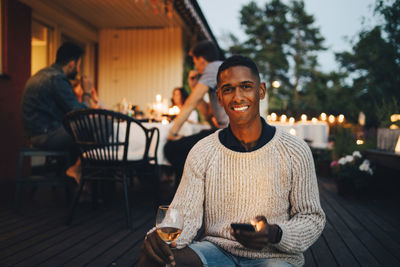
{"points": [[48, 96]]}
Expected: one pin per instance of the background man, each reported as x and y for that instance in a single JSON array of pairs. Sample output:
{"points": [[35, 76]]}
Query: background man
{"points": [[48, 96], [247, 172], [206, 61]]}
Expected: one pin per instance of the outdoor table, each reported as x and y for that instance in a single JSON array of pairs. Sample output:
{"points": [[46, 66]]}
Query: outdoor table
{"points": [[137, 139], [316, 132]]}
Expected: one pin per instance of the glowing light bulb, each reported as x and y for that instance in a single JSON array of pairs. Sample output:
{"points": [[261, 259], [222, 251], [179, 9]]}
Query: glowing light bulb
{"points": [[273, 116], [314, 120], [158, 98], [291, 120], [276, 84], [341, 118], [323, 116], [359, 142], [304, 117], [164, 121], [331, 119], [292, 131], [283, 118]]}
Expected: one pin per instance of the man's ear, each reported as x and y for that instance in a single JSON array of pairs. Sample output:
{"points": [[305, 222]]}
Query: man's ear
{"points": [[70, 65], [262, 90], [219, 97]]}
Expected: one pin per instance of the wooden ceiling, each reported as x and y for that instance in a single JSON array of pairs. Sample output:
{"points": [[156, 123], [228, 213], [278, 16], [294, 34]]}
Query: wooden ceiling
{"points": [[118, 13]]}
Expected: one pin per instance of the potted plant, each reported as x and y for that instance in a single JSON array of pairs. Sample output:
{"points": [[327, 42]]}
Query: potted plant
{"points": [[353, 173]]}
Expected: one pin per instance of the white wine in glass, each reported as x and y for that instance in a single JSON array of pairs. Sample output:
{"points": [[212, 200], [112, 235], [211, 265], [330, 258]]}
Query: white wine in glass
{"points": [[169, 223]]}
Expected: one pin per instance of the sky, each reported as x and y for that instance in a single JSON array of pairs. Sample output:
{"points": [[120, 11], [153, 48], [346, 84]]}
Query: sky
{"points": [[339, 21]]}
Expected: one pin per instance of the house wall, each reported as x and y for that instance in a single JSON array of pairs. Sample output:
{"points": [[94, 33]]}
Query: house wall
{"points": [[137, 64], [17, 37]]}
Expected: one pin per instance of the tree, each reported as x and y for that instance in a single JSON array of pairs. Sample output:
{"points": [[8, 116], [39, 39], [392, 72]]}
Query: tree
{"points": [[283, 42], [268, 35], [374, 66], [306, 41]]}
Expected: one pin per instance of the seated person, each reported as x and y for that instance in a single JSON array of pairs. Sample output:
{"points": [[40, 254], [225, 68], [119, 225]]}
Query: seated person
{"points": [[179, 95], [48, 96], [249, 171], [85, 81]]}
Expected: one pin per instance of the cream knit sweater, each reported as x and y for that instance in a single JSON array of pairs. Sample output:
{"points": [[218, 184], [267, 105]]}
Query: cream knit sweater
{"points": [[220, 186]]}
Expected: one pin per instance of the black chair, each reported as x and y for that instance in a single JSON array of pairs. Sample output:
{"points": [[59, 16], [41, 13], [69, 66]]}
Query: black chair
{"points": [[51, 173], [103, 139]]}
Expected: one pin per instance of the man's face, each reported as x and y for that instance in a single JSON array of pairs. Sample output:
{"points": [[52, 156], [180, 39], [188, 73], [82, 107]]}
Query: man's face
{"points": [[199, 64], [239, 92], [74, 69]]}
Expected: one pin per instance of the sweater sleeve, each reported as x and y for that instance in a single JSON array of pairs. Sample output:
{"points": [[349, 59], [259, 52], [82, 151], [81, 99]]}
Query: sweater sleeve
{"points": [[189, 197], [307, 219]]}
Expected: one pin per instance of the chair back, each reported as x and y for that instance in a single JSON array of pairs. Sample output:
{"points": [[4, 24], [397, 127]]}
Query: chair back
{"points": [[103, 136]]}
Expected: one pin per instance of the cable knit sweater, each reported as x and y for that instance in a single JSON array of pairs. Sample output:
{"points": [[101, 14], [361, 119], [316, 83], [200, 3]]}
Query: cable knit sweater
{"points": [[220, 186]]}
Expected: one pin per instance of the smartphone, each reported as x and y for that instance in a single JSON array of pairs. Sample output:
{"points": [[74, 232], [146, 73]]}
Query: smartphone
{"points": [[243, 226]]}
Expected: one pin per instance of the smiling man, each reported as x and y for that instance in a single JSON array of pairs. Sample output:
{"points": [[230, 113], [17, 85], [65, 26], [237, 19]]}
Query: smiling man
{"points": [[249, 172]]}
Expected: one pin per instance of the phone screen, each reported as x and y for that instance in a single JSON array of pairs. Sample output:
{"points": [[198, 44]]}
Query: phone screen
{"points": [[243, 226]]}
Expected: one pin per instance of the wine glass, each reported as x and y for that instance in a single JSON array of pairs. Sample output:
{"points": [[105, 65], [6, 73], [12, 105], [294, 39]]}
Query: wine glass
{"points": [[169, 223]]}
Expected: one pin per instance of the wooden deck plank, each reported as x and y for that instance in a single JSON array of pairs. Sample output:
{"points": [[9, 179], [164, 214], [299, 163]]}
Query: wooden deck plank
{"points": [[356, 247], [386, 235], [387, 210], [358, 232], [29, 229], [323, 255], [123, 246], [309, 259], [130, 256], [45, 233], [19, 222], [375, 248], [47, 239], [338, 246], [86, 231], [85, 244]]}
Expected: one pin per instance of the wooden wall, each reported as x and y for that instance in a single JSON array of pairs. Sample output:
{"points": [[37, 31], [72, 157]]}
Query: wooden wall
{"points": [[138, 64], [17, 39]]}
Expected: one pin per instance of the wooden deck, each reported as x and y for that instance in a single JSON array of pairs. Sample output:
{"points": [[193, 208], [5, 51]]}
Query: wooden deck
{"points": [[358, 232]]}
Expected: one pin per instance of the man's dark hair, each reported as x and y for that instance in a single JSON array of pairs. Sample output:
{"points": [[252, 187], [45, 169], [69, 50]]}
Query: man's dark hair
{"points": [[238, 60], [205, 49], [67, 52]]}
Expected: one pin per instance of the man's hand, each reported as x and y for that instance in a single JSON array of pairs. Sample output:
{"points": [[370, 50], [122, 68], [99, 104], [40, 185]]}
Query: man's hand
{"points": [[193, 78], [87, 84], [265, 234], [158, 250], [174, 137]]}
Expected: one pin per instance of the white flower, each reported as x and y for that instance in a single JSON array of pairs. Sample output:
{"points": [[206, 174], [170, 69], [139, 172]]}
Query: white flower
{"points": [[342, 161], [349, 158], [364, 167], [357, 154]]}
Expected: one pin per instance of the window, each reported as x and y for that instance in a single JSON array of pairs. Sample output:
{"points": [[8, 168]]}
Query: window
{"points": [[41, 41]]}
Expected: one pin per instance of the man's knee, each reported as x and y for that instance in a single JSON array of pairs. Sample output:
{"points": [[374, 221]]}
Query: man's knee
{"points": [[187, 257]]}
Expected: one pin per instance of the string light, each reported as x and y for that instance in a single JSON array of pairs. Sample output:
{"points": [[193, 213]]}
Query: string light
{"points": [[331, 119], [303, 117], [341, 118], [359, 142], [273, 116]]}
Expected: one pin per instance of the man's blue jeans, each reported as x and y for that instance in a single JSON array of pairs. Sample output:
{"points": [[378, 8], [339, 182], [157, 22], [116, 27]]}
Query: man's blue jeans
{"points": [[213, 256]]}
